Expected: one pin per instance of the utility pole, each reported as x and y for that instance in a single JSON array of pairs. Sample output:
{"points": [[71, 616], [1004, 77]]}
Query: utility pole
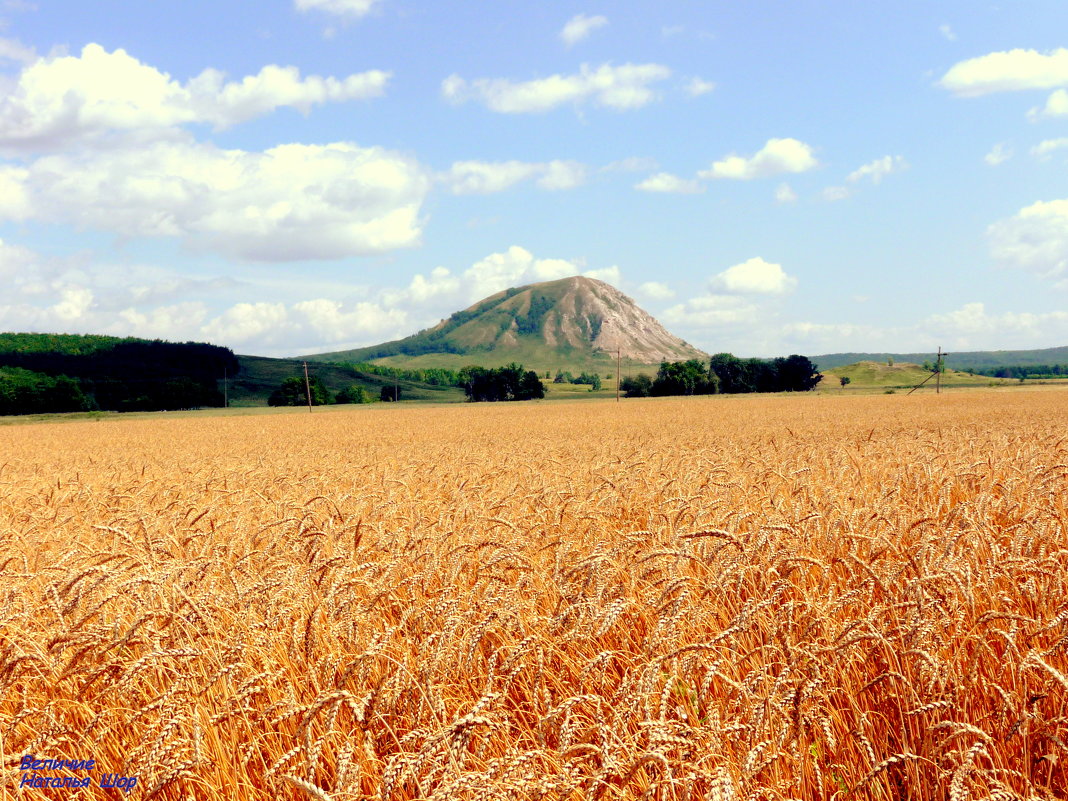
{"points": [[307, 386], [938, 367], [617, 375]]}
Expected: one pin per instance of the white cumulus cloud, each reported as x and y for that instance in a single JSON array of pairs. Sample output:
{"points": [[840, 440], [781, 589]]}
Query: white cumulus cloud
{"points": [[610, 275], [666, 182], [335, 322], [61, 100], [246, 321], [878, 169], [1056, 106], [352, 9], [1034, 239], [487, 177], [75, 294], [177, 321], [973, 323], [75, 302], [833, 193], [1007, 71], [1044, 148], [631, 164], [15, 260], [712, 311], [656, 290], [784, 193], [290, 202], [562, 175], [441, 282], [621, 88], [698, 86], [999, 154], [733, 301], [970, 327], [514, 267], [14, 50], [776, 157], [754, 276], [579, 27]]}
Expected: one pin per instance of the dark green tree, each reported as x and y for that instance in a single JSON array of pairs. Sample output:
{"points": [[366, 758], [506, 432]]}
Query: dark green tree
{"points": [[731, 373], [592, 379], [292, 392], [796, 374], [353, 394], [501, 383], [27, 392], [684, 378], [640, 386], [530, 387]]}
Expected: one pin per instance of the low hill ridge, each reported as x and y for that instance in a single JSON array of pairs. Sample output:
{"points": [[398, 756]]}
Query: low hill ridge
{"points": [[570, 320], [960, 360], [901, 374]]}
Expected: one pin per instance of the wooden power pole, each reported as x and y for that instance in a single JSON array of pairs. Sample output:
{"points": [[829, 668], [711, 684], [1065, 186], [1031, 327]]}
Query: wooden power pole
{"points": [[307, 386], [617, 375], [938, 367]]}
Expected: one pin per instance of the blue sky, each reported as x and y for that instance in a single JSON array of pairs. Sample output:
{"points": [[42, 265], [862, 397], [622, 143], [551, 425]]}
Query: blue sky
{"points": [[764, 177]]}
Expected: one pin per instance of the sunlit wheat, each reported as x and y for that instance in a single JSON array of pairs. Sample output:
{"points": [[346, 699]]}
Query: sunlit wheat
{"points": [[707, 598]]}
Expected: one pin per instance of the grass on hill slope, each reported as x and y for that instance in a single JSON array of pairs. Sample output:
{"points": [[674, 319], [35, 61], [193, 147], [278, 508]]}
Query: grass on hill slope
{"points": [[957, 361], [902, 375], [259, 376], [533, 356]]}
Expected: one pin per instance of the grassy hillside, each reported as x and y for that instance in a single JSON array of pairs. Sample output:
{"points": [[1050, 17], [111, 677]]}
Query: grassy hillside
{"points": [[869, 374], [473, 330], [576, 324], [957, 361], [259, 376], [531, 355]]}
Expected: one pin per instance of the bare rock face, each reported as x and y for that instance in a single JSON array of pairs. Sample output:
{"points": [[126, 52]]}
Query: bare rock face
{"points": [[592, 314]]}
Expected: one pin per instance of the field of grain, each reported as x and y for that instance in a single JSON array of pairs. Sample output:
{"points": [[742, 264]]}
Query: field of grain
{"points": [[705, 598]]}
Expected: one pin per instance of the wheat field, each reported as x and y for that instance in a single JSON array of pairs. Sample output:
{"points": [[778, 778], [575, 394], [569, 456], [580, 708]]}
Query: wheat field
{"points": [[707, 598]]}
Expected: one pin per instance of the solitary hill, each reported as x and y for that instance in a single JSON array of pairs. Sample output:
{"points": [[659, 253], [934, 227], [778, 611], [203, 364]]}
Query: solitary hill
{"points": [[573, 322]]}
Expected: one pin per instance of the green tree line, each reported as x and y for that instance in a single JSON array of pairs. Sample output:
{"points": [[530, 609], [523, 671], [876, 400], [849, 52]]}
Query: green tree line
{"points": [[501, 383], [112, 373], [435, 376], [508, 383], [26, 392], [725, 373], [1023, 371], [293, 392]]}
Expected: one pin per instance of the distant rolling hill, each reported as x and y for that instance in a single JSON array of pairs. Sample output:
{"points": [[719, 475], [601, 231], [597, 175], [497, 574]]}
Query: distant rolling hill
{"points": [[902, 374], [965, 360], [574, 323]]}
